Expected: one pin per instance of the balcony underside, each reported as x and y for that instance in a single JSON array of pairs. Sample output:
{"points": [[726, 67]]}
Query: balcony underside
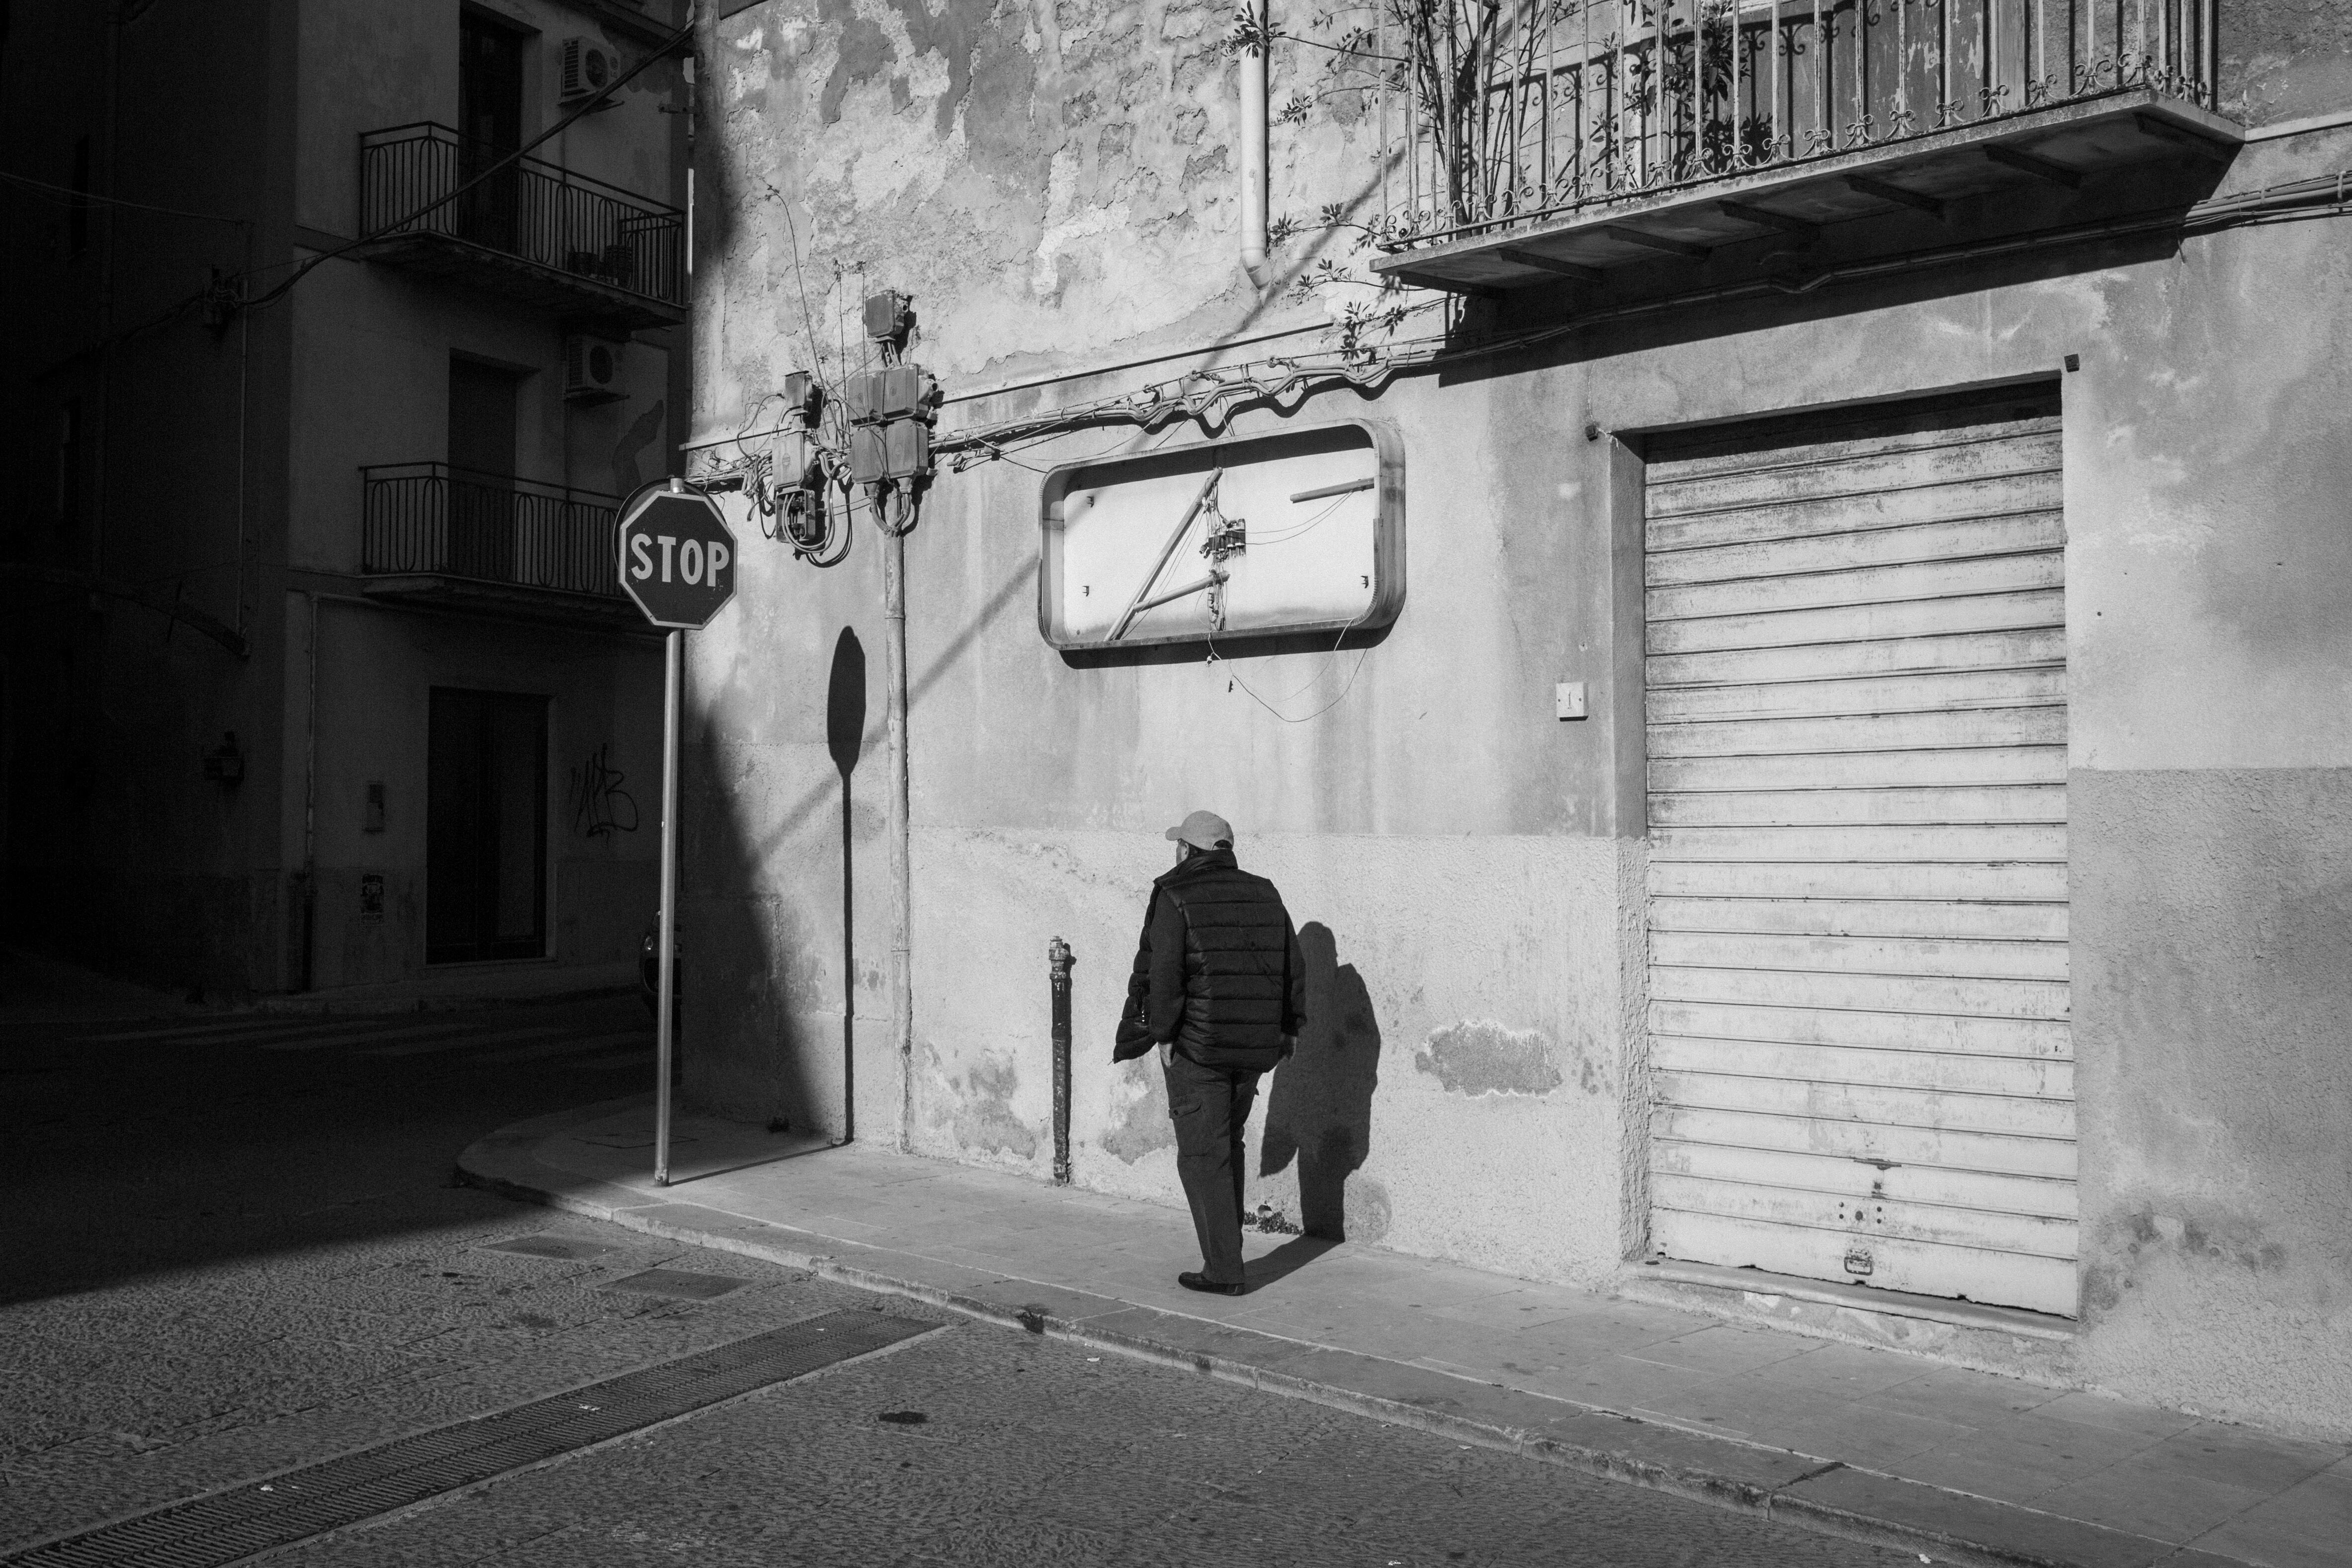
{"points": [[2066, 147], [508, 602], [582, 299]]}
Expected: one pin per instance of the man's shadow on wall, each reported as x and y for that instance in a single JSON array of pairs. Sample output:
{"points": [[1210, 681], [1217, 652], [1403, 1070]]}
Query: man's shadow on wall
{"points": [[1319, 1111]]}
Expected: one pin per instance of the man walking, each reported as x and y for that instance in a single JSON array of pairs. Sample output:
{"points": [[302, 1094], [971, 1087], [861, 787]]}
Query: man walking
{"points": [[1218, 989]]}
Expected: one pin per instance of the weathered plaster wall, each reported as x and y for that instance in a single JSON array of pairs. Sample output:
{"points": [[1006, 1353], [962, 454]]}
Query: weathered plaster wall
{"points": [[2214, 986], [397, 330], [1032, 175], [2210, 578], [402, 331], [367, 66], [374, 341], [377, 669], [1458, 1089], [2209, 571], [783, 895], [2285, 59], [118, 849], [1472, 864]]}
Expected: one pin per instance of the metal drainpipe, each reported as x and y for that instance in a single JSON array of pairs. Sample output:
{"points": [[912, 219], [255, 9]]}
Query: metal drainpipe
{"points": [[1253, 152], [902, 989]]}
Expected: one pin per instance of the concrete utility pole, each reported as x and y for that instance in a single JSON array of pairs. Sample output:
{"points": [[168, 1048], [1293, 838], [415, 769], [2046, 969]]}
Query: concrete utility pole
{"points": [[902, 977]]}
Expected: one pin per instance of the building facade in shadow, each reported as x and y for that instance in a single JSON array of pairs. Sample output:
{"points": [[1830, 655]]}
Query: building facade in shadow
{"points": [[333, 373]]}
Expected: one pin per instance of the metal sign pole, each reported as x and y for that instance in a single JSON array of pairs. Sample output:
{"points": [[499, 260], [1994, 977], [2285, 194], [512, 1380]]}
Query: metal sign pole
{"points": [[666, 1008]]}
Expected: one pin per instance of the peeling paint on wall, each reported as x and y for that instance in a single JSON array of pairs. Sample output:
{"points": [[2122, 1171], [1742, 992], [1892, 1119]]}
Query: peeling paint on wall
{"points": [[2133, 1240], [984, 1117], [1143, 1127], [1479, 1057], [1366, 1207]]}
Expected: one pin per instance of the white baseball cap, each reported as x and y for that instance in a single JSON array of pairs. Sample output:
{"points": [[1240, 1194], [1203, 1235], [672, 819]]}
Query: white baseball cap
{"points": [[1204, 830]]}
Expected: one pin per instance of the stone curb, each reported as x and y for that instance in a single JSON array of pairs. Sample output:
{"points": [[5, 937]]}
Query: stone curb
{"points": [[1824, 1495]]}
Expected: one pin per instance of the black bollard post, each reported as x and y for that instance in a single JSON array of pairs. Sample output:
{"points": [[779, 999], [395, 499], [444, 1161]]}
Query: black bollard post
{"points": [[1057, 957]]}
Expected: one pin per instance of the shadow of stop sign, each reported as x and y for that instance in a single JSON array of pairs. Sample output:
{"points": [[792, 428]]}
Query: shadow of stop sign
{"points": [[678, 558]]}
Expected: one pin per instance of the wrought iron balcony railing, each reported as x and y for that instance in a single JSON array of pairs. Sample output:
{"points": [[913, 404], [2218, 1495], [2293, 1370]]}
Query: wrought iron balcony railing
{"points": [[1532, 111], [429, 519], [529, 210]]}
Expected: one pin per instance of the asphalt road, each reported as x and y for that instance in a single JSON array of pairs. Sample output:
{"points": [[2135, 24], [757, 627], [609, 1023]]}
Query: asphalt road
{"points": [[230, 1250]]}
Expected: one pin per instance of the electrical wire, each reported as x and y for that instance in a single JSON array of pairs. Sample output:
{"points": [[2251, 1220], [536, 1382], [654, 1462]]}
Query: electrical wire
{"points": [[2323, 196], [1285, 536], [1231, 676], [808, 317], [79, 198]]}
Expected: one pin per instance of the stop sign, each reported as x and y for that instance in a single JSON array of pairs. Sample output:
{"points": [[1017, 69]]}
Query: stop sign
{"points": [[678, 558]]}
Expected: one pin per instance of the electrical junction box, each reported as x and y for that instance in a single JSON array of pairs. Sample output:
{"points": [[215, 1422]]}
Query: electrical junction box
{"points": [[906, 448], [869, 458], [804, 395], [1293, 533], [886, 317], [899, 451], [894, 392], [792, 453]]}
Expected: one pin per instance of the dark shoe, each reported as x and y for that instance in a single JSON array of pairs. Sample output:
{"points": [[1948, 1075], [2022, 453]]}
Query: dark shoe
{"points": [[1202, 1282]]}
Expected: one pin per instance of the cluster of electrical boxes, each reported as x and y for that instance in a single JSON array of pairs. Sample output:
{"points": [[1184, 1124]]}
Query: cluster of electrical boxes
{"points": [[889, 411]]}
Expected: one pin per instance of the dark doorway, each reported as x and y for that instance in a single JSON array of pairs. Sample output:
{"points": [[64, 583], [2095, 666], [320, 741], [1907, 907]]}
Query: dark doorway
{"points": [[481, 504], [489, 126], [486, 828]]}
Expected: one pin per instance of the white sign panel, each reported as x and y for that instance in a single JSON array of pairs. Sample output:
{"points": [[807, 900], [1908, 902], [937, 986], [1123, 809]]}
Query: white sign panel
{"points": [[1294, 531]]}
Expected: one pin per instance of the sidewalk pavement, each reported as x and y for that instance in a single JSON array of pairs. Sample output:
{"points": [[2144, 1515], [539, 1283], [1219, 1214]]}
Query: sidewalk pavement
{"points": [[1946, 1463]]}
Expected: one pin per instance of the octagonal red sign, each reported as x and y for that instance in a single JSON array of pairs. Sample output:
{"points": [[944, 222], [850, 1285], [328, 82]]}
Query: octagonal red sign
{"points": [[678, 558]]}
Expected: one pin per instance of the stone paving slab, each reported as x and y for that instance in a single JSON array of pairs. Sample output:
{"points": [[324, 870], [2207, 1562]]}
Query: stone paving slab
{"points": [[1955, 1465]]}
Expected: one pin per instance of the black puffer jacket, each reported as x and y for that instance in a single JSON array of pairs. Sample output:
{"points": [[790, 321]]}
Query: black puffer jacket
{"points": [[1217, 971]]}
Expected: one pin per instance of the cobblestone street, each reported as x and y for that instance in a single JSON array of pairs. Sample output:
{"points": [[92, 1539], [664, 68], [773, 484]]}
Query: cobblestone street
{"points": [[238, 1248]]}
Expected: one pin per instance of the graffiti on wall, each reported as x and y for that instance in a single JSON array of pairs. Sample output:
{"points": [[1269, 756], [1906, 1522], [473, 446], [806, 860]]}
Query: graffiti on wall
{"points": [[599, 805]]}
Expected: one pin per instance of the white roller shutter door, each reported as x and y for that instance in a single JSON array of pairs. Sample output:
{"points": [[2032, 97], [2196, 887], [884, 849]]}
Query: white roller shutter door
{"points": [[1857, 775]]}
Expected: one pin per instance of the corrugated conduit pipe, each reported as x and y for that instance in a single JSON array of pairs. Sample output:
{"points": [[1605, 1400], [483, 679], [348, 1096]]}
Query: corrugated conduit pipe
{"points": [[1254, 148]]}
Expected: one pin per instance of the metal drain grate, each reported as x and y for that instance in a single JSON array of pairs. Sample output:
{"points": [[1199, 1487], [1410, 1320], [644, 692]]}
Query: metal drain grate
{"points": [[260, 1516]]}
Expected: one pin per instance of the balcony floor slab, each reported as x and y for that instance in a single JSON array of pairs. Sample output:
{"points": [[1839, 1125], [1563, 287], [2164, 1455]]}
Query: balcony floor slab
{"points": [[580, 298], [2076, 142]]}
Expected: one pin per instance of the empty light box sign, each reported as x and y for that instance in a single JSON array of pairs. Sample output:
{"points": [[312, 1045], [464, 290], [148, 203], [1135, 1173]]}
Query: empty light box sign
{"points": [[1277, 535]]}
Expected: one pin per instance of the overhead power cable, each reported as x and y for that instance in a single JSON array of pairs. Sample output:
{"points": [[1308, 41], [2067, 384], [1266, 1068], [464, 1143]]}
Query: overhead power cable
{"points": [[660, 51], [1214, 395], [75, 197]]}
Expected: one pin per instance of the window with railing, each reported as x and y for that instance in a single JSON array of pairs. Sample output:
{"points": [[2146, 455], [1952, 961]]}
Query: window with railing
{"points": [[431, 518], [1530, 109], [528, 209]]}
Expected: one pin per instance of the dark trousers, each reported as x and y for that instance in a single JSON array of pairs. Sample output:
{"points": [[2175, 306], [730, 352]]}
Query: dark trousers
{"points": [[1211, 1107]]}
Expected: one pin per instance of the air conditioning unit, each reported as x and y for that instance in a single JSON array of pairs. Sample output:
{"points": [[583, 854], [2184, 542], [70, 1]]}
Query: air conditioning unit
{"points": [[591, 370], [588, 71]]}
